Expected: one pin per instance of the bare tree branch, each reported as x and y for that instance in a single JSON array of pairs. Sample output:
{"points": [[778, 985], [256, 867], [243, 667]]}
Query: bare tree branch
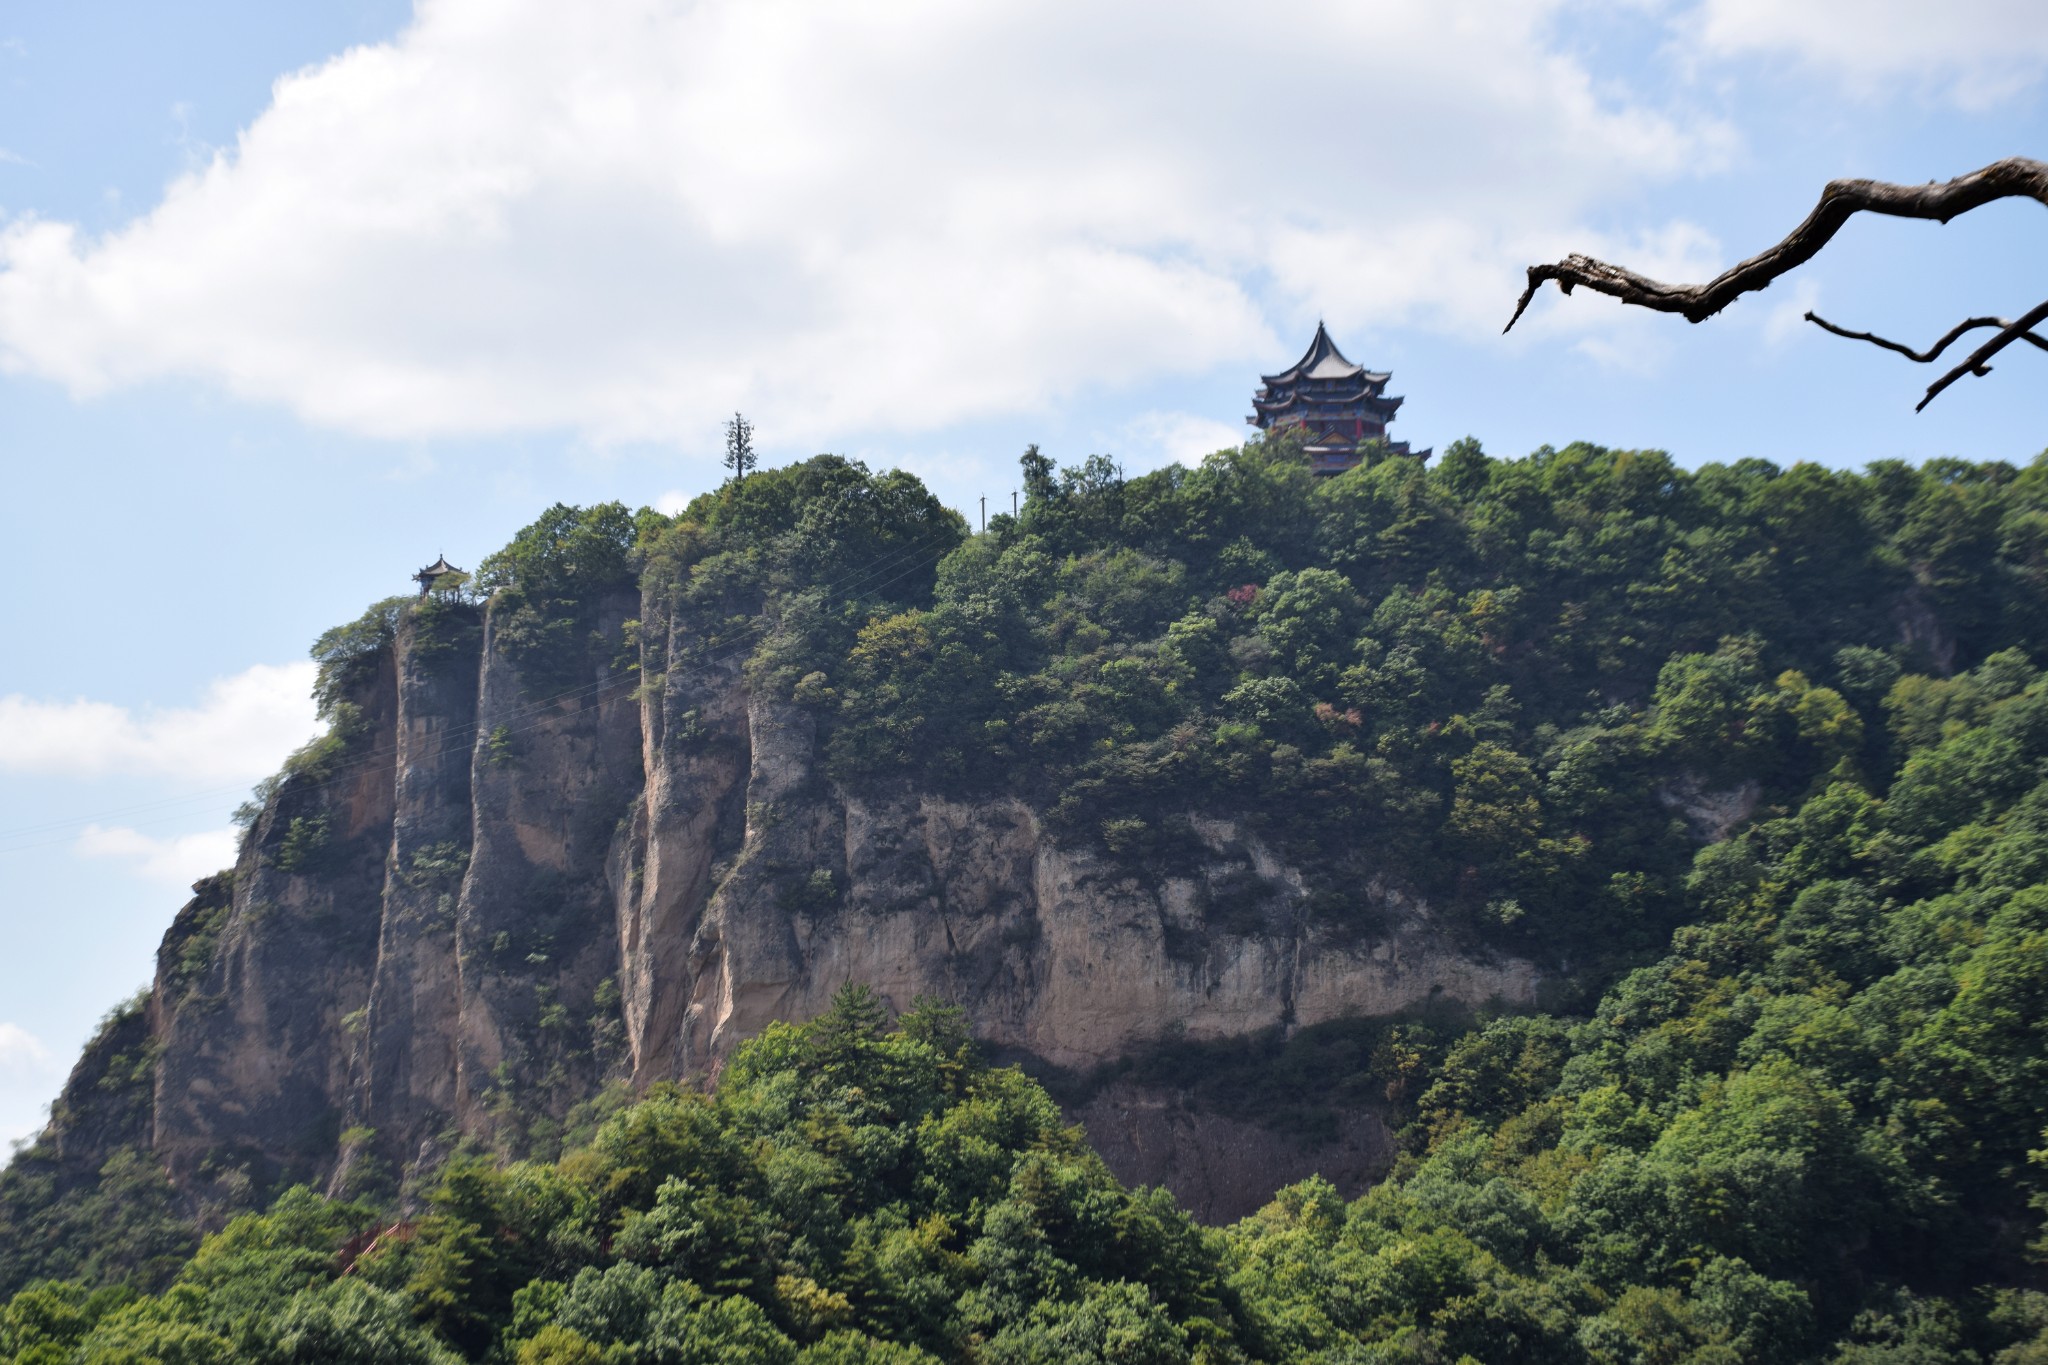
{"points": [[2015, 177], [1967, 325], [2012, 332]]}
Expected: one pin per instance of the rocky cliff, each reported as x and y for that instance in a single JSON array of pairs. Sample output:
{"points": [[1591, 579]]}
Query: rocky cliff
{"points": [[496, 893]]}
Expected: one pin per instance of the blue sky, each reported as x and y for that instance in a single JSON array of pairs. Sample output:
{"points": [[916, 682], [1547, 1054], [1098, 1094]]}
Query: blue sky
{"points": [[295, 297]]}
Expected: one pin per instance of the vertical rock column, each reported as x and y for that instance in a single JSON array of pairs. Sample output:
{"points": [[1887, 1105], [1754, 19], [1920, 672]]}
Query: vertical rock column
{"points": [[407, 1078], [694, 737], [750, 959], [555, 775]]}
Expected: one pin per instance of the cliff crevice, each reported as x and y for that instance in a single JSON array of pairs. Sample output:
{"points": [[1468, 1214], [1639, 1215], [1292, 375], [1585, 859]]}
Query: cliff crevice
{"points": [[505, 888]]}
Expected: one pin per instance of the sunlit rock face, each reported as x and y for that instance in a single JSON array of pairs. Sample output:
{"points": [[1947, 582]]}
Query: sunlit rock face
{"points": [[501, 897]]}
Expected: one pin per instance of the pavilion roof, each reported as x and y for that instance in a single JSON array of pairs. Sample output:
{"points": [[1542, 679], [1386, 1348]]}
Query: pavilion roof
{"points": [[437, 568]]}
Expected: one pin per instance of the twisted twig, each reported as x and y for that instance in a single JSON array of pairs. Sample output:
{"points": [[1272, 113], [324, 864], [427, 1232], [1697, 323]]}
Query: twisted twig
{"points": [[1966, 325], [1975, 363]]}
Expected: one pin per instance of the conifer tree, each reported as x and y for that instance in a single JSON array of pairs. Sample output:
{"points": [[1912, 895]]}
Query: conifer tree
{"points": [[739, 447]]}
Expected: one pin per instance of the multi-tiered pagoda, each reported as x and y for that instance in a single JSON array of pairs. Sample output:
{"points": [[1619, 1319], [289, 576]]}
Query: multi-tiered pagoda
{"points": [[1338, 405]]}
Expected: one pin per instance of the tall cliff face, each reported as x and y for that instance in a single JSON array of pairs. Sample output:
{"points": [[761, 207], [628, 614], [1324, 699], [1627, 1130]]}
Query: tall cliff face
{"points": [[259, 987], [504, 891]]}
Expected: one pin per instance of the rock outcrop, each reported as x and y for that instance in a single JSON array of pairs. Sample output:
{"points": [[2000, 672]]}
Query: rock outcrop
{"points": [[1222, 1167], [502, 893], [1711, 813]]}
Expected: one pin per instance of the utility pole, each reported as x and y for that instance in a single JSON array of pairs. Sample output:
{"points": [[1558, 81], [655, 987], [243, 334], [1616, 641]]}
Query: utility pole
{"points": [[1013, 502], [984, 512]]}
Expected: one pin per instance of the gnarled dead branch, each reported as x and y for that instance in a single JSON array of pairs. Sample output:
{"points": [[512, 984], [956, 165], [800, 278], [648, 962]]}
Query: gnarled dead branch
{"points": [[2015, 177]]}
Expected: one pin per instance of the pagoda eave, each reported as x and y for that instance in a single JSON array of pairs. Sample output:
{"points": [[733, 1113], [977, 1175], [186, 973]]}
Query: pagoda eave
{"points": [[1319, 412]]}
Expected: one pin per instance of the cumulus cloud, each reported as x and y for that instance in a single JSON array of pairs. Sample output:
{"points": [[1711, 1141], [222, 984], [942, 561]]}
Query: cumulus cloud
{"points": [[617, 218], [28, 1074], [1788, 318], [22, 1053], [178, 860], [240, 729], [1974, 52], [1156, 438]]}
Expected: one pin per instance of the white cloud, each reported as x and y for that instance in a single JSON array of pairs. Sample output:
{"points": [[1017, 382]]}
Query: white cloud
{"points": [[622, 218], [672, 502], [178, 860], [1619, 337], [1157, 438], [23, 1055], [242, 728], [29, 1075], [1974, 52], [1788, 318]]}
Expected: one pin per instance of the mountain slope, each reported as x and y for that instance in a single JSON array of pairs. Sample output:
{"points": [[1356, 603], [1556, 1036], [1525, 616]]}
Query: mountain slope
{"points": [[1211, 755]]}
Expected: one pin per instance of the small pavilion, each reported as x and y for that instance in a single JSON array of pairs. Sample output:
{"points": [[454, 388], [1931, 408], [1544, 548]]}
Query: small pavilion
{"points": [[431, 575], [1338, 406]]}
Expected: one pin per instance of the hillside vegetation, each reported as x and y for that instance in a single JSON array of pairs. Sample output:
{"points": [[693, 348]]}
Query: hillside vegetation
{"points": [[1788, 1104], [1471, 678]]}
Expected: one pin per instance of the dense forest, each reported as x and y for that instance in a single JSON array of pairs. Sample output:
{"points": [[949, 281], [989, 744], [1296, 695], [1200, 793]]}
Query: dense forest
{"points": [[1472, 677], [1754, 760]]}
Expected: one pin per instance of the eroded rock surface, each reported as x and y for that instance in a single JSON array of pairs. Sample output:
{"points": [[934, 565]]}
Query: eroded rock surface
{"points": [[1711, 813], [509, 891]]}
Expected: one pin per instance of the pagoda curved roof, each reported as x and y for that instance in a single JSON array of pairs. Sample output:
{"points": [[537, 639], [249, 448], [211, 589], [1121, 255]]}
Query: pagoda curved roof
{"points": [[1323, 360]]}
